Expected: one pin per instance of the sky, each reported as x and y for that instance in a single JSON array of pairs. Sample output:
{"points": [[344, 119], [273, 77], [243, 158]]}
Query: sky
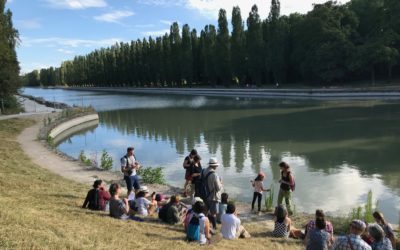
{"points": [[52, 31]]}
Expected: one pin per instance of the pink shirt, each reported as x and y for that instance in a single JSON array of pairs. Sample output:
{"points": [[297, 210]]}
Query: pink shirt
{"points": [[328, 228], [258, 186]]}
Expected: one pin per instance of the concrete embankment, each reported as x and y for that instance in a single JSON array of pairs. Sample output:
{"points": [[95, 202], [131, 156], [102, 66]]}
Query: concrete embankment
{"points": [[336, 93], [73, 123]]}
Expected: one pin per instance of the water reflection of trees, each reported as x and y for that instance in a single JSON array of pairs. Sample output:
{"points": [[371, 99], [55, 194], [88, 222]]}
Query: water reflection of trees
{"points": [[326, 136]]}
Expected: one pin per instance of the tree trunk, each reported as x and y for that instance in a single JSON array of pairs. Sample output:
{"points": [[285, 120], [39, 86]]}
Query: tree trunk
{"points": [[390, 67], [373, 74]]}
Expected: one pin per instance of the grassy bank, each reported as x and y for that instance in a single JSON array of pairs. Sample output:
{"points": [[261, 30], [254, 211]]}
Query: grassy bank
{"points": [[41, 210]]}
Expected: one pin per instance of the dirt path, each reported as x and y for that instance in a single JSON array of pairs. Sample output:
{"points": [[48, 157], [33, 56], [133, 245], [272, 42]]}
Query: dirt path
{"points": [[47, 159]]}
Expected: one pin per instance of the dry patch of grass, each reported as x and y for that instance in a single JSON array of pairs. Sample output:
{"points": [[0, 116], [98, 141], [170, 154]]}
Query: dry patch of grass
{"points": [[41, 210]]}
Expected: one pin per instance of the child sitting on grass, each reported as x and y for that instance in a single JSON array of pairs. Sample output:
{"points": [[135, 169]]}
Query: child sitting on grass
{"points": [[144, 206], [258, 190], [222, 206]]}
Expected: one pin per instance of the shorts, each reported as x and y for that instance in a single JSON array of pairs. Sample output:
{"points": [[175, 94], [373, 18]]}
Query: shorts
{"points": [[132, 182], [188, 176], [213, 207]]}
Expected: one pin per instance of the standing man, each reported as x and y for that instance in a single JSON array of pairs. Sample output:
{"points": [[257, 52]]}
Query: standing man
{"points": [[287, 184], [129, 166], [214, 189]]}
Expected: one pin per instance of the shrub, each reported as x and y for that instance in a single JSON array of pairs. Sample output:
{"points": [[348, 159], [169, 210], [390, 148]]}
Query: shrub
{"points": [[151, 175], [84, 159], [269, 199], [106, 161]]}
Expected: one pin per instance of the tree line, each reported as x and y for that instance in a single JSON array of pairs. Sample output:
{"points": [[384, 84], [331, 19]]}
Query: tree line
{"points": [[333, 43], [9, 66]]}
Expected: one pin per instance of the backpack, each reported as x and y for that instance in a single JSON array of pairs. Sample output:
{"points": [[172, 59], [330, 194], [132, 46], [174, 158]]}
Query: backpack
{"points": [[162, 214], [94, 204], [129, 172], [292, 184], [204, 190], [193, 230]]}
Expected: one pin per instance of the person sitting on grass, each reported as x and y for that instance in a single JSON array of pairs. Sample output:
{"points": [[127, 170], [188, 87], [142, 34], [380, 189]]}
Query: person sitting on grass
{"points": [[97, 197], [174, 216], [144, 206], [387, 228], [222, 206], [312, 223], [352, 241], [283, 224], [230, 225], [380, 241], [119, 209], [199, 226], [189, 214], [318, 238]]}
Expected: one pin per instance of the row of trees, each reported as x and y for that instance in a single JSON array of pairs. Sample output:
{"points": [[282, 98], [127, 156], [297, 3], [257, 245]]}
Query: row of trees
{"points": [[333, 43], [9, 66]]}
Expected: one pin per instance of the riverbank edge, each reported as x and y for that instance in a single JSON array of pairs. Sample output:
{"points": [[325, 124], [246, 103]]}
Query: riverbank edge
{"points": [[68, 124], [320, 93], [50, 104]]}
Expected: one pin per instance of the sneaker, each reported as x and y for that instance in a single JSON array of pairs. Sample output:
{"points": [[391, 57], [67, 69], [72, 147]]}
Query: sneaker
{"points": [[259, 213]]}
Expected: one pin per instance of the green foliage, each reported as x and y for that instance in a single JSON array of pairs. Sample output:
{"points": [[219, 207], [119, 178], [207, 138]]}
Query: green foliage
{"points": [[269, 199], [365, 212], [84, 159], [151, 175], [10, 105], [50, 141], [9, 66], [106, 161], [331, 44]]}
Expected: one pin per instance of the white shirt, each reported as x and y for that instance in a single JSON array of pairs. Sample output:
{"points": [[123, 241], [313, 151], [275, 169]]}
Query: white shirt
{"points": [[131, 162], [202, 223], [229, 226], [142, 204]]}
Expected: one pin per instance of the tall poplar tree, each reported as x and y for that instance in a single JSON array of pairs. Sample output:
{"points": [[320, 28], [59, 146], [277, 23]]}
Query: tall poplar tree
{"points": [[254, 46], [238, 46], [223, 56], [186, 63]]}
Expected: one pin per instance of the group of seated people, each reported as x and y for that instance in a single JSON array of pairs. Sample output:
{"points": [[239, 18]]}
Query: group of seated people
{"points": [[195, 218], [319, 233]]}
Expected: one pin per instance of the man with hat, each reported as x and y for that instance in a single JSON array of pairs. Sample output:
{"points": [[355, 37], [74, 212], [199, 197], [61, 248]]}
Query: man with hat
{"points": [[352, 241], [214, 186]]}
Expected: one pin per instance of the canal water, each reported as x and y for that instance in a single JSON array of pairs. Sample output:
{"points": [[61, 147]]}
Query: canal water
{"points": [[338, 150]]}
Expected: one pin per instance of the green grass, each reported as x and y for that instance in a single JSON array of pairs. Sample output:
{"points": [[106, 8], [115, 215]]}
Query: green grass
{"points": [[41, 210]]}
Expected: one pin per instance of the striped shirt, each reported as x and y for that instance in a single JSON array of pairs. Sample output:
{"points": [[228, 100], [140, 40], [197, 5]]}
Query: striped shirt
{"points": [[342, 243]]}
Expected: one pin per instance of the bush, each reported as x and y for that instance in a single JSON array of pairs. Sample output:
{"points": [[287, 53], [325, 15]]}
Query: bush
{"points": [[10, 105], [84, 159], [106, 161], [151, 175]]}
